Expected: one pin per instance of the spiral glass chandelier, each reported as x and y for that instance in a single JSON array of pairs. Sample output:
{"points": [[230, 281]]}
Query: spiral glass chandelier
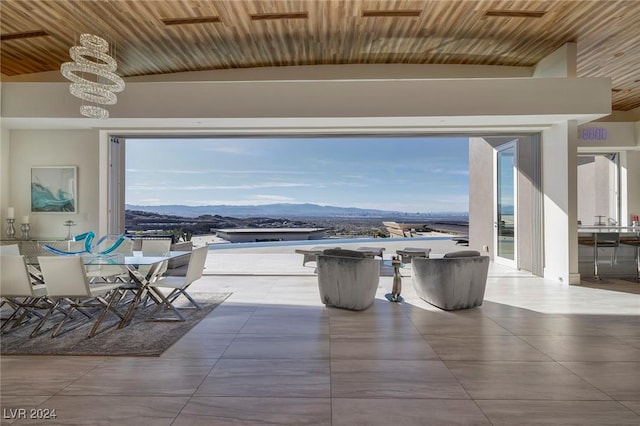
{"points": [[102, 88]]}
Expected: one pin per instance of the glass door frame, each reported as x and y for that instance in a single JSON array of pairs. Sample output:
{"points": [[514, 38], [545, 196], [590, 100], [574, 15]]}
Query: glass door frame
{"points": [[496, 214]]}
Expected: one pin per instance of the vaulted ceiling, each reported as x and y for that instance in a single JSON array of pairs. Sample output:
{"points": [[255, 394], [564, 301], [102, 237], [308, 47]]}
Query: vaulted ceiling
{"points": [[168, 36]]}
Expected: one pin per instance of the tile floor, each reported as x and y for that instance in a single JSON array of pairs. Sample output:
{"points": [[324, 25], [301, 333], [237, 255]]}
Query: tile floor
{"points": [[536, 352]]}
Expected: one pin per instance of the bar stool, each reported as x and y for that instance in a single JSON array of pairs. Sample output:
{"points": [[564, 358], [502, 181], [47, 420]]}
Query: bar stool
{"points": [[635, 242], [604, 240]]}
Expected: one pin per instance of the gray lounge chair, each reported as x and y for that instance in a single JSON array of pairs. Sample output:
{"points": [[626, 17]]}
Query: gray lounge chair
{"points": [[347, 279], [455, 281]]}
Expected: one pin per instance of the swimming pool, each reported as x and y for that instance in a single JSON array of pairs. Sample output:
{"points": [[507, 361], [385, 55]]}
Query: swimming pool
{"points": [[226, 246]]}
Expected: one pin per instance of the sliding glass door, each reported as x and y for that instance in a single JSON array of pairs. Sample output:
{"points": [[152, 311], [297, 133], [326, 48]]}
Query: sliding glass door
{"points": [[505, 206]]}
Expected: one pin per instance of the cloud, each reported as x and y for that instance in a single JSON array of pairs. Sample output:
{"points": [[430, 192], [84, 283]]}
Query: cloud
{"points": [[222, 172], [440, 170], [230, 148], [258, 200], [150, 201], [171, 171], [264, 185], [273, 198], [150, 186]]}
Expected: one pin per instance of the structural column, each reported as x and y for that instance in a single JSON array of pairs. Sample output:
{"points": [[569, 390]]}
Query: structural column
{"points": [[559, 174]]}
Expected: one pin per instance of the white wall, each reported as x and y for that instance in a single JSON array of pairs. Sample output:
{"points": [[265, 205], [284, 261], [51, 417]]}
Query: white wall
{"points": [[503, 102], [481, 202], [633, 174], [314, 72], [559, 182], [618, 135], [561, 63], [55, 148], [632, 171], [5, 173]]}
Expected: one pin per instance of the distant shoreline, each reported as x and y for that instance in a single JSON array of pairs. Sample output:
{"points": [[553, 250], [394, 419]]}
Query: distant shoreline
{"points": [[138, 222]]}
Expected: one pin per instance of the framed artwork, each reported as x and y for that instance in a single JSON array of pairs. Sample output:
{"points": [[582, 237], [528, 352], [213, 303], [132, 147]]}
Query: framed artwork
{"points": [[54, 189]]}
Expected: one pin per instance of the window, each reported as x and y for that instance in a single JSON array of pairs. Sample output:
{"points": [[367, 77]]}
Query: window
{"points": [[598, 189]]}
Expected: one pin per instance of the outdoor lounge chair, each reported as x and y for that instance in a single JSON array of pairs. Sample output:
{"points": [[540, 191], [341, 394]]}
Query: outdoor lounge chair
{"points": [[309, 255], [372, 251], [347, 279], [455, 281], [409, 253]]}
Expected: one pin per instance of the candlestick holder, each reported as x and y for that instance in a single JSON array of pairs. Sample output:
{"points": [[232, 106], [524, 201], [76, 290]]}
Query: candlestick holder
{"points": [[11, 231], [25, 227], [69, 224]]}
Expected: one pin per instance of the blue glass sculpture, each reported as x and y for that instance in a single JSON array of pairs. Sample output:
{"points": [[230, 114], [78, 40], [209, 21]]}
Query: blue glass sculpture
{"points": [[89, 247]]}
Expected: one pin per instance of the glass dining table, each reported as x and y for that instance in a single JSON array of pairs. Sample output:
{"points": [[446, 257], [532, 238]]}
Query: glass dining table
{"points": [[139, 283]]}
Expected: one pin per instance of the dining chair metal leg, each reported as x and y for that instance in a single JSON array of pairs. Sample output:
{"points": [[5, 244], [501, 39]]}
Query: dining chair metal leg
{"points": [[56, 331], [166, 305], [142, 293], [9, 303], [182, 291], [16, 317], [26, 311], [28, 308], [44, 319], [108, 306], [133, 305]]}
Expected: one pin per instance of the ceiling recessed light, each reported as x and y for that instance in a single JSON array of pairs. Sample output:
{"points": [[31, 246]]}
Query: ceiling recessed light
{"points": [[26, 34], [271, 16], [391, 13], [515, 13], [191, 20]]}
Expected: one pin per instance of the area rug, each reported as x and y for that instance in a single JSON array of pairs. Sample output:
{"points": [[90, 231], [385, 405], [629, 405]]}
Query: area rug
{"points": [[138, 338]]}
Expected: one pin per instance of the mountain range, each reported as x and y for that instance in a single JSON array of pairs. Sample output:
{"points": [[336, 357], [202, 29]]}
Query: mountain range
{"points": [[282, 210]]}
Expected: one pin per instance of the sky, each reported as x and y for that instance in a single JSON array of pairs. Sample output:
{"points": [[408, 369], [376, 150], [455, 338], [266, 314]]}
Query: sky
{"points": [[408, 174]]}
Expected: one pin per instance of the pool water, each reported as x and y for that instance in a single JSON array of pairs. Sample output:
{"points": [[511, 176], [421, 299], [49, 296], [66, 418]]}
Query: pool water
{"points": [[319, 242]]}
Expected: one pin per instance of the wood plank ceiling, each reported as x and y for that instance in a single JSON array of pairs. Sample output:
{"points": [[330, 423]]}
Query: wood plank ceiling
{"points": [[168, 36]]}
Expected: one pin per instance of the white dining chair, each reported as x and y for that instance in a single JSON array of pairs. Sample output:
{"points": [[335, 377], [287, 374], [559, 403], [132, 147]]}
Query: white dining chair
{"points": [[155, 246], [17, 291], [112, 273], [9, 249], [27, 249], [68, 286], [148, 273], [178, 285]]}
